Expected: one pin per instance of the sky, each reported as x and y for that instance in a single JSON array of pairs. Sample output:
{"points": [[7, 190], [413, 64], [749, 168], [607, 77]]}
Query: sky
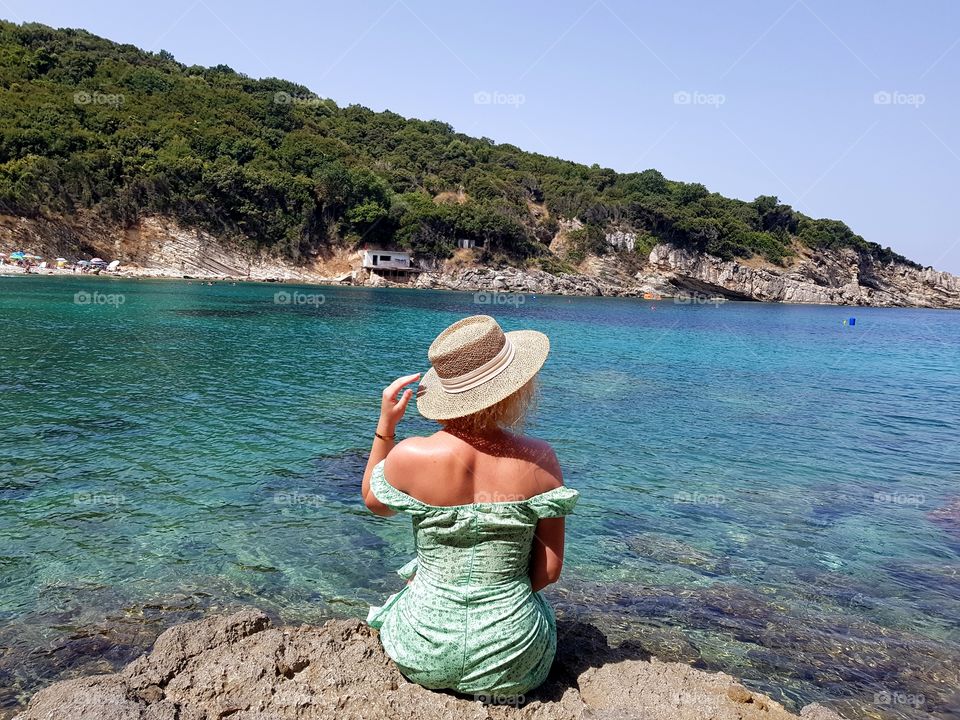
{"points": [[846, 110]]}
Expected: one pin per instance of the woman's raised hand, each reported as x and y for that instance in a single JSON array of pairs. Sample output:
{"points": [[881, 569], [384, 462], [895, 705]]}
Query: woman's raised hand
{"points": [[392, 409]]}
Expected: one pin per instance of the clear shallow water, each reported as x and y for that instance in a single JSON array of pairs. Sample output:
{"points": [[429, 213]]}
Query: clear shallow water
{"points": [[757, 480]]}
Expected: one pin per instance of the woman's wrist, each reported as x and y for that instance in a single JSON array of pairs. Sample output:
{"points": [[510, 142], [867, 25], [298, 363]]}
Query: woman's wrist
{"points": [[386, 430]]}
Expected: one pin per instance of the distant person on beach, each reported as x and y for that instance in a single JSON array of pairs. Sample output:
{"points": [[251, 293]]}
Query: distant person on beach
{"points": [[488, 507]]}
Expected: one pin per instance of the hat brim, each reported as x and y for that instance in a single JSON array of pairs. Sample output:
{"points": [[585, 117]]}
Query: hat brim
{"points": [[435, 403]]}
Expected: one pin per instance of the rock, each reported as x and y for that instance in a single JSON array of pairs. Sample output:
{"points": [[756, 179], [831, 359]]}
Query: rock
{"points": [[947, 517], [837, 277], [622, 240], [159, 246], [239, 667]]}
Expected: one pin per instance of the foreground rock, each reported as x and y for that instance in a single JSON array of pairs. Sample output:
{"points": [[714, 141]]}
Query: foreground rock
{"points": [[239, 667]]}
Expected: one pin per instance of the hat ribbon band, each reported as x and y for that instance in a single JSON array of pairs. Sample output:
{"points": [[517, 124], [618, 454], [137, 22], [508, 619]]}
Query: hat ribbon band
{"points": [[478, 376]]}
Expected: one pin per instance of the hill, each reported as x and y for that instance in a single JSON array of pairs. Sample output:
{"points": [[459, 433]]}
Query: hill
{"points": [[90, 124], [98, 138]]}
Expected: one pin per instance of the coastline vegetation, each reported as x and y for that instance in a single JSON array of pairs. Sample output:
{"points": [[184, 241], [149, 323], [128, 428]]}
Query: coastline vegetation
{"points": [[87, 124]]}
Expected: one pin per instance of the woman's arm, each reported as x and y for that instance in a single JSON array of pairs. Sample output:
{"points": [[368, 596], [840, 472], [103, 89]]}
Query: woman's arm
{"points": [[391, 412], [546, 555]]}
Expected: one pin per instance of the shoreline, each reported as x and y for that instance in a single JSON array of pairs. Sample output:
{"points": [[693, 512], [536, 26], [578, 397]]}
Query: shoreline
{"points": [[241, 666], [679, 298]]}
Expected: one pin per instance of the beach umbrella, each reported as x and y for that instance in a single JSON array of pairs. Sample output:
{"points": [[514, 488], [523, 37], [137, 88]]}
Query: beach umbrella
{"points": [[18, 255], [83, 262], [97, 260], [114, 264]]}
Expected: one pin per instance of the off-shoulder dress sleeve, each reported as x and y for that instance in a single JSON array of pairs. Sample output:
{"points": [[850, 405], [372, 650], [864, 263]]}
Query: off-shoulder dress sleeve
{"points": [[396, 500], [554, 503]]}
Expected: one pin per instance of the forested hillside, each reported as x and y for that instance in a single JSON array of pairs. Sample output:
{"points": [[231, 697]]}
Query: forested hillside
{"points": [[88, 124]]}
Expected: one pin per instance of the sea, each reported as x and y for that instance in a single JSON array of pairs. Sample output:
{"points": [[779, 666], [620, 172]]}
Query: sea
{"points": [[768, 490]]}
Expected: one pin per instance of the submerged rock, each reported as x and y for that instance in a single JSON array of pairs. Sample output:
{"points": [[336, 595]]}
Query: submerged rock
{"points": [[947, 517], [240, 667]]}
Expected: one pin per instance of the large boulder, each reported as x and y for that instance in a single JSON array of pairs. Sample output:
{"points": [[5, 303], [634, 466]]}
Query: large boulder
{"points": [[242, 668]]}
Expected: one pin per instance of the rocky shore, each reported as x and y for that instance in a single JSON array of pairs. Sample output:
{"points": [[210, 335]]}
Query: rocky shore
{"points": [[836, 277], [241, 667], [159, 247]]}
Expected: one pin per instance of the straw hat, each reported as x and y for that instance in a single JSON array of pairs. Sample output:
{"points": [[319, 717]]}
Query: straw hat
{"points": [[476, 365]]}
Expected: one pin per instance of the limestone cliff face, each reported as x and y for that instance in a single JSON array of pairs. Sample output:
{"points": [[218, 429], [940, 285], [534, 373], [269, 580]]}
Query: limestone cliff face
{"points": [[837, 277], [158, 246], [161, 247]]}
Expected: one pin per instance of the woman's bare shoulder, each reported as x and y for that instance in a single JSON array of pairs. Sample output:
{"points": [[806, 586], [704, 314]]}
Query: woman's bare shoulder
{"points": [[409, 456]]}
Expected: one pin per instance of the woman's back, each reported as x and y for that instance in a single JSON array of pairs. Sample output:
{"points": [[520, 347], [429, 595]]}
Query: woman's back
{"points": [[446, 469]]}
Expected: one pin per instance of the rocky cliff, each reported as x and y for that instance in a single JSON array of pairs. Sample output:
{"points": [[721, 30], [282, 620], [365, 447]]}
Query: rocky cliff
{"points": [[158, 246], [242, 668], [837, 277]]}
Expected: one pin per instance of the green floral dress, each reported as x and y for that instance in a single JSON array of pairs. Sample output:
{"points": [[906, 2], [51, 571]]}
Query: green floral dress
{"points": [[469, 621]]}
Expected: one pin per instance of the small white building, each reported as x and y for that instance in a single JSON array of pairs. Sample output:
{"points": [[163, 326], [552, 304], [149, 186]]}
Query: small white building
{"points": [[386, 260], [464, 243]]}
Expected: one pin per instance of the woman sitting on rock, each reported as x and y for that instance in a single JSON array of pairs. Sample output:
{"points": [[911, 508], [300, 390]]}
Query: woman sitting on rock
{"points": [[488, 509]]}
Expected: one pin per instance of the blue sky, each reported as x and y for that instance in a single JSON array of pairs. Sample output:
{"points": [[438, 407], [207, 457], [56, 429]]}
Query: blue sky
{"points": [[845, 110]]}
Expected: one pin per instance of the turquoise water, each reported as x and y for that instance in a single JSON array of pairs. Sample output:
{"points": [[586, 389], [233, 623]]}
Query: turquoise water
{"points": [[759, 482]]}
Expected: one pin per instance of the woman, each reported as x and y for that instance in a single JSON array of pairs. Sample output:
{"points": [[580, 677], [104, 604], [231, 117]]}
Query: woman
{"points": [[487, 508]]}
